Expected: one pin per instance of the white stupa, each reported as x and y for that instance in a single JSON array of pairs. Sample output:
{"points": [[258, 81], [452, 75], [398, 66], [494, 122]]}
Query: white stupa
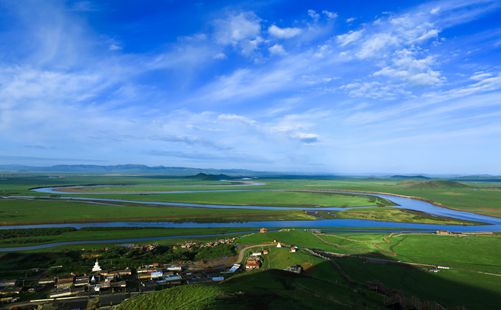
{"points": [[96, 267]]}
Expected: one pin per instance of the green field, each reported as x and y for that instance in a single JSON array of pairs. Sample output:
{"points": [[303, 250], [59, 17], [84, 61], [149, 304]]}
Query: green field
{"points": [[482, 198], [476, 197], [398, 215], [26, 237], [21, 211], [474, 262], [263, 198], [273, 289]]}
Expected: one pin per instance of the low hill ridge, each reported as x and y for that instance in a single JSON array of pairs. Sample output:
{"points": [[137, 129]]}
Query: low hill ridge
{"points": [[434, 184]]}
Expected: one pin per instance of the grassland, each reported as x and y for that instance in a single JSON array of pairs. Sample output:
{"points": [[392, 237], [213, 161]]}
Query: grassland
{"points": [[275, 192], [262, 198], [21, 211], [474, 261], [482, 198], [402, 263], [9, 238], [471, 281], [398, 215], [272, 289]]}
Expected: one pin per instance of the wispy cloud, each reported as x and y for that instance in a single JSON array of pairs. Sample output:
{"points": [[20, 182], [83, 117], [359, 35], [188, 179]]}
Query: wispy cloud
{"points": [[283, 33], [241, 90]]}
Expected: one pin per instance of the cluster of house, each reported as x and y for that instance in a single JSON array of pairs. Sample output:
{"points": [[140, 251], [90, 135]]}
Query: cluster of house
{"points": [[193, 244], [157, 274], [68, 285], [452, 233], [447, 233], [438, 268], [255, 260], [143, 247], [98, 281], [9, 291]]}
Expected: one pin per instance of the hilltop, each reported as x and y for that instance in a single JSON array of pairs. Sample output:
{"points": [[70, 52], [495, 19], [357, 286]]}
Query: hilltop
{"points": [[434, 184], [410, 177]]}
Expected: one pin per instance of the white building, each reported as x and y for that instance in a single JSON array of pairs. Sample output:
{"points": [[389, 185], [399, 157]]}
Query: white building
{"points": [[96, 267]]}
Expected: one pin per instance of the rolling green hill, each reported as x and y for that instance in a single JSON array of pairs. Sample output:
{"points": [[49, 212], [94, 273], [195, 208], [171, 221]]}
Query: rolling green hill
{"points": [[434, 184]]}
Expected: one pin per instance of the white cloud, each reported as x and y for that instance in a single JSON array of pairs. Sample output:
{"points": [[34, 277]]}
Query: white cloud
{"points": [[314, 15], [305, 137], [220, 56], [375, 90], [102, 108], [283, 33], [250, 46], [241, 30], [432, 33], [277, 49], [237, 118], [114, 46], [435, 10], [329, 14], [238, 27], [350, 20], [479, 76], [428, 77], [350, 37], [188, 54], [374, 45], [407, 67]]}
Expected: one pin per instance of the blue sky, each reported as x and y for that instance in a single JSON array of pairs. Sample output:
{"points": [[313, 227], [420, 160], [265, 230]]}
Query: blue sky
{"points": [[311, 86]]}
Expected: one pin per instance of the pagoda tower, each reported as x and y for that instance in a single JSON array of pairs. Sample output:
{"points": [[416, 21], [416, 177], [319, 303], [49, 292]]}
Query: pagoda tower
{"points": [[96, 267]]}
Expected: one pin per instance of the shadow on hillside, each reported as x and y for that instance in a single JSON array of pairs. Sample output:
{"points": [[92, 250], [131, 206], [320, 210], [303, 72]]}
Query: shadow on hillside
{"points": [[365, 281], [403, 286]]}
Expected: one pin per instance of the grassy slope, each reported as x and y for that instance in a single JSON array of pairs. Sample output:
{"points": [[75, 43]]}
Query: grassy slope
{"points": [[272, 289], [470, 258], [322, 286]]}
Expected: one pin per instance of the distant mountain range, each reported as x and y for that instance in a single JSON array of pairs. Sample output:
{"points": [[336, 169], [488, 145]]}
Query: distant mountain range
{"points": [[413, 177], [207, 173], [131, 170]]}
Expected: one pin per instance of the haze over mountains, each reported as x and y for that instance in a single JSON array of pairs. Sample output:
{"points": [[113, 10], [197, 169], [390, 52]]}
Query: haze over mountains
{"points": [[134, 169]]}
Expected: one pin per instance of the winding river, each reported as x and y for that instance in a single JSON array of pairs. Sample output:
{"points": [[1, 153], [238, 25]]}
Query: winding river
{"points": [[490, 224]]}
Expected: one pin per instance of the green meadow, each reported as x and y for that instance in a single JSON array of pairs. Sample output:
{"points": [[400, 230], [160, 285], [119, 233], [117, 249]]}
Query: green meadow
{"points": [[473, 196], [38, 211], [397, 263], [261, 198], [342, 282], [27, 237], [477, 197]]}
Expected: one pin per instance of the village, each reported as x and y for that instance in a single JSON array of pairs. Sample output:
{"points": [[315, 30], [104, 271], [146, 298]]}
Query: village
{"points": [[112, 286], [107, 286]]}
